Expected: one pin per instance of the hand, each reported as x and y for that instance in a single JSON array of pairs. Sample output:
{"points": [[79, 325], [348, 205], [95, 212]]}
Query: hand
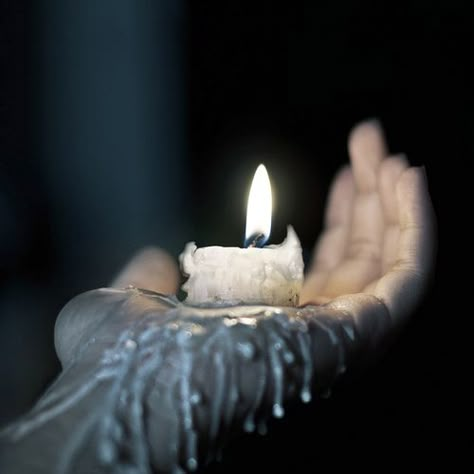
{"points": [[143, 377], [378, 241], [379, 235], [370, 267]]}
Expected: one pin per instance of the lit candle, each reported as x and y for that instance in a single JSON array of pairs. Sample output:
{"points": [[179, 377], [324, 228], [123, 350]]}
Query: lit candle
{"points": [[271, 275]]}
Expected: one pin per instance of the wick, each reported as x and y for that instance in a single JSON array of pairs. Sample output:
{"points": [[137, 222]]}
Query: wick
{"points": [[255, 240]]}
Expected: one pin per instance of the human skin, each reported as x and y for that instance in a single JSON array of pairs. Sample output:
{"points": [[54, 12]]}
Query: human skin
{"points": [[150, 384]]}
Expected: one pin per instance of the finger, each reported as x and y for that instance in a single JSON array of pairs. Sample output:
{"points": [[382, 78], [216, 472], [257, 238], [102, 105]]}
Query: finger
{"points": [[389, 173], [402, 287], [331, 245], [362, 261], [151, 268], [330, 248], [359, 261], [367, 149], [351, 276]]}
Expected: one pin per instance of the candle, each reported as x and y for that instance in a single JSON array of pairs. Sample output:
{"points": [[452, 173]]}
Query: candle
{"points": [[270, 275]]}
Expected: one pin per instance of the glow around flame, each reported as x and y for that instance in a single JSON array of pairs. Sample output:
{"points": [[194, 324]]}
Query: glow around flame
{"points": [[259, 205]]}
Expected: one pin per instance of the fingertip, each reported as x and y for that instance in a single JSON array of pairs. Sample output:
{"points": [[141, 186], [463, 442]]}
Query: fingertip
{"points": [[367, 148], [372, 123], [151, 268], [392, 168], [368, 133], [412, 180], [343, 181], [397, 163]]}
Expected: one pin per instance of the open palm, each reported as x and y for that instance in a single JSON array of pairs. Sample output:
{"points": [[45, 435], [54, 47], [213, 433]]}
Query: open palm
{"points": [[378, 236]]}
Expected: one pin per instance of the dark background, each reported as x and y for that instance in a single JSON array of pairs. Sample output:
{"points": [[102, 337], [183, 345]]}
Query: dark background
{"points": [[127, 123]]}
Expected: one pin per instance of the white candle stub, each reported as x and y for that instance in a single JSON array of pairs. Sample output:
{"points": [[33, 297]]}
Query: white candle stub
{"points": [[271, 275]]}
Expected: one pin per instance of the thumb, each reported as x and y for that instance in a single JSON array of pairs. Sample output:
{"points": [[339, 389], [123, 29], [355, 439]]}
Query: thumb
{"points": [[151, 268]]}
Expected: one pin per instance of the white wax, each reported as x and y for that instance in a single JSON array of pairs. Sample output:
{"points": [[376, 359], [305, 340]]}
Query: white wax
{"points": [[270, 275]]}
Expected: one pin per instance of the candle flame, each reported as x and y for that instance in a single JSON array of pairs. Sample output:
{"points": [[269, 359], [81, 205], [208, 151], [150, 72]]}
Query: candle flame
{"points": [[259, 207]]}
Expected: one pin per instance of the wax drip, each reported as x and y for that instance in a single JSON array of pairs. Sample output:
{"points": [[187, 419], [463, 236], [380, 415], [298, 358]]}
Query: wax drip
{"points": [[185, 395], [216, 404], [249, 423], [161, 357], [233, 385], [277, 372], [275, 346], [125, 397], [335, 341], [307, 364]]}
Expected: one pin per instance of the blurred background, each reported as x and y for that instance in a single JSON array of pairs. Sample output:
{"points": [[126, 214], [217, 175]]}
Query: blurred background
{"points": [[126, 123]]}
